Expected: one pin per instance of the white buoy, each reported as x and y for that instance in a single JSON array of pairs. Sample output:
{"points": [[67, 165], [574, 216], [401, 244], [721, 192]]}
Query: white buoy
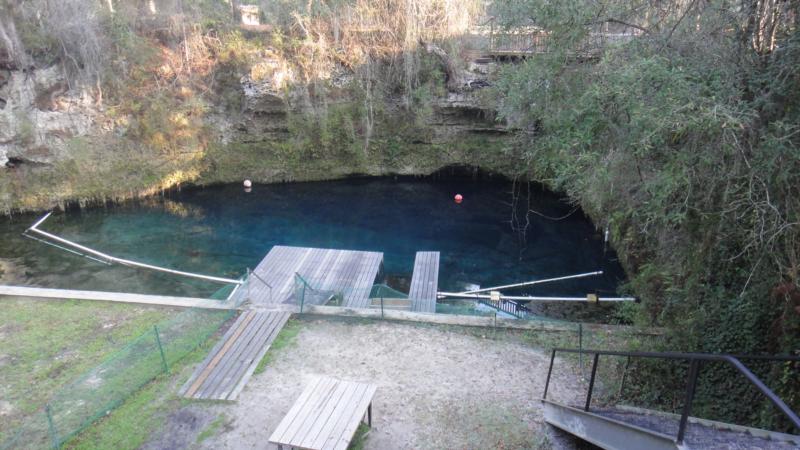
{"points": [[248, 183]]}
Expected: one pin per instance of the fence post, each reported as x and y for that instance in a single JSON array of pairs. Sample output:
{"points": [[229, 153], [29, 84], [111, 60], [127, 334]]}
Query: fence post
{"points": [[303, 296], [381, 305], [161, 350], [549, 372], [580, 347], [624, 375], [691, 383], [51, 427], [591, 382], [248, 285]]}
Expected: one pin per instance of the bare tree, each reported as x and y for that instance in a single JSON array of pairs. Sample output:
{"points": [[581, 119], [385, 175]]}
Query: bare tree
{"points": [[12, 52]]}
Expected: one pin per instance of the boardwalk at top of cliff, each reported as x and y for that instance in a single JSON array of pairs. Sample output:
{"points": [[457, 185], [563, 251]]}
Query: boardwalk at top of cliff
{"points": [[346, 272]]}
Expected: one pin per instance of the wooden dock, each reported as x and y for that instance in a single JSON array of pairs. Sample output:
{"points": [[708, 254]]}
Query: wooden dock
{"points": [[229, 365], [424, 282], [351, 273]]}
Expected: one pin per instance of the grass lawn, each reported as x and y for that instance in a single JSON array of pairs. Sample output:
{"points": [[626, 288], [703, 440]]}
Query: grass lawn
{"points": [[46, 344]]}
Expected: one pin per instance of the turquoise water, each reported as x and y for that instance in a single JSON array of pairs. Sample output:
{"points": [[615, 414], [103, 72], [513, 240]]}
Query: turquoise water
{"points": [[222, 230]]}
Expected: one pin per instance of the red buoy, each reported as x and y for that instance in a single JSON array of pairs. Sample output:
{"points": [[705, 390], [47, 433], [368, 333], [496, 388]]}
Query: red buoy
{"points": [[458, 198]]}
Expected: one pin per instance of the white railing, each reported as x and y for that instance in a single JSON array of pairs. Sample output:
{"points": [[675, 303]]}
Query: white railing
{"points": [[125, 262]]}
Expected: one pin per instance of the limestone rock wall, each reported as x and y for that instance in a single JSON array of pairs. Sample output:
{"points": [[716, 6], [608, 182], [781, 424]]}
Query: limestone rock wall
{"points": [[44, 121], [39, 114]]}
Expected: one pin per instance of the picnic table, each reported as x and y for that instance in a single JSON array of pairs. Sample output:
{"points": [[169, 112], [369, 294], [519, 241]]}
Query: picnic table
{"points": [[326, 415]]}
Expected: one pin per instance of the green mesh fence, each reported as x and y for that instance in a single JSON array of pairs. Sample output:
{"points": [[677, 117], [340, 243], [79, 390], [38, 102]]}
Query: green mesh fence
{"points": [[224, 292], [235, 294], [384, 291], [305, 293], [464, 308], [491, 308], [384, 297], [75, 406]]}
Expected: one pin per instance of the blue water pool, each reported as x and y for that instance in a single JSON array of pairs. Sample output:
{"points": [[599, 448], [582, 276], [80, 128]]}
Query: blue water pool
{"points": [[222, 230]]}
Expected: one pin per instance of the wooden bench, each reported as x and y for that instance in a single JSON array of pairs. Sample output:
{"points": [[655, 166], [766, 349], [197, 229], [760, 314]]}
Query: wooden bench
{"points": [[326, 415]]}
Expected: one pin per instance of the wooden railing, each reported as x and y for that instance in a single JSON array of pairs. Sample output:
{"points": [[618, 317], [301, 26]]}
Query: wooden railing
{"points": [[531, 40]]}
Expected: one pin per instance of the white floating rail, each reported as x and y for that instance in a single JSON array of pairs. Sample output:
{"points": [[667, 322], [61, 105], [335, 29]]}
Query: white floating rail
{"points": [[531, 283], [121, 261], [591, 298]]}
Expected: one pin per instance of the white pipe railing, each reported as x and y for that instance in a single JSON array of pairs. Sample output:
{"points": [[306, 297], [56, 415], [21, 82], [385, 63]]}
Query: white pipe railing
{"points": [[443, 295], [121, 261], [531, 283]]}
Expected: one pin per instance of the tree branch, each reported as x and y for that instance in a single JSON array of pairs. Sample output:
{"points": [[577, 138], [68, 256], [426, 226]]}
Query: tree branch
{"points": [[617, 21]]}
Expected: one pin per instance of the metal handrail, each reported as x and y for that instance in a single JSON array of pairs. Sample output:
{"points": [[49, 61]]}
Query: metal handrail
{"points": [[691, 382], [253, 272]]}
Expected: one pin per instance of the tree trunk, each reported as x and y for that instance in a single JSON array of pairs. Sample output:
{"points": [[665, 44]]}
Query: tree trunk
{"points": [[12, 53], [234, 11], [454, 79]]}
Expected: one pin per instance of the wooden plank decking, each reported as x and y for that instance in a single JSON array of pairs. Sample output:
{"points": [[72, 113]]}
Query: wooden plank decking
{"points": [[349, 272], [424, 282], [225, 371], [326, 415]]}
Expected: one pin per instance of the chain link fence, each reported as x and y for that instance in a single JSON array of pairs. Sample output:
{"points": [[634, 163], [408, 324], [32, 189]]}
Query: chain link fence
{"points": [[100, 390]]}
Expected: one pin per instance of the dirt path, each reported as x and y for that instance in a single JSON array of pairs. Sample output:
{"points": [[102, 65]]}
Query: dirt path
{"points": [[436, 388]]}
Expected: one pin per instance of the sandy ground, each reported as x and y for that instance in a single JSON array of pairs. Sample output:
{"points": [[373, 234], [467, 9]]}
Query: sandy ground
{"points": [[437, 389]]}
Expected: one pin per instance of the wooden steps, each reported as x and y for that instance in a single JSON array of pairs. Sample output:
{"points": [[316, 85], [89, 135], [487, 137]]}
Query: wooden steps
{"points": [[229, 365], [424, 282]]}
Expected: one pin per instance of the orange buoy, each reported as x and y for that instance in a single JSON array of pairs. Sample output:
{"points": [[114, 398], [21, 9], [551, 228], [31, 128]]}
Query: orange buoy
{"points": [[458, 198]]}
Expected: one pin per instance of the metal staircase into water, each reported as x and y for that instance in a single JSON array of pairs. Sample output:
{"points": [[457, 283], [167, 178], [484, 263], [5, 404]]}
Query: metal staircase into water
{"points": [[619, 427]]}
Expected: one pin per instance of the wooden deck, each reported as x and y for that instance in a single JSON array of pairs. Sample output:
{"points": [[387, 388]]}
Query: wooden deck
{"points": [[225, 371], [424, 282], [351, 273], [325, 416]]}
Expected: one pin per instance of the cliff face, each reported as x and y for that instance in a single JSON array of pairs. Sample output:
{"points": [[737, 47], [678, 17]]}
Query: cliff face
{"points": [[38, 114], [279, 132]]}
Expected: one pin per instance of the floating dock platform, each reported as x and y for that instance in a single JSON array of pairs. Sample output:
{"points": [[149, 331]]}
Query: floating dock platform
{"points": [[346, 272]]}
